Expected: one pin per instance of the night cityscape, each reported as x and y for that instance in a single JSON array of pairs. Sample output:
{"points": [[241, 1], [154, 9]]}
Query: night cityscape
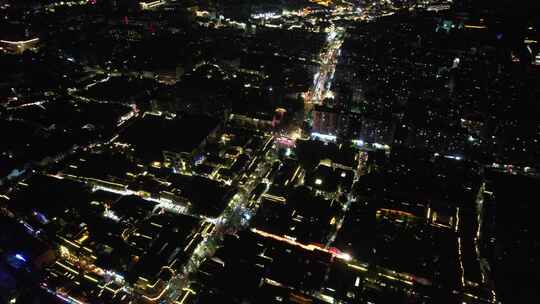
{"points": [[269, 151]]}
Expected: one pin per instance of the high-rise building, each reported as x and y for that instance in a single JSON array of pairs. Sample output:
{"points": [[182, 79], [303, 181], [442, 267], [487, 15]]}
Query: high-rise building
{"points": [[325, 121], [330, 121]]}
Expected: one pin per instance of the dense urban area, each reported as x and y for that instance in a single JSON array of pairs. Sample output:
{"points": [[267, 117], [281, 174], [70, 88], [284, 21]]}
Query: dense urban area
{"points": [[269, 151]]}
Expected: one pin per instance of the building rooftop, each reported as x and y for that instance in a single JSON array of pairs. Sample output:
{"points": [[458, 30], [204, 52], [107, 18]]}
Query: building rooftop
{"points": [[153, 134]]}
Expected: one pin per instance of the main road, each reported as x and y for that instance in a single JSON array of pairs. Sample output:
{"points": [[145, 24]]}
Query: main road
{"points": [[322, 80], [238, 207], [320, 89]]}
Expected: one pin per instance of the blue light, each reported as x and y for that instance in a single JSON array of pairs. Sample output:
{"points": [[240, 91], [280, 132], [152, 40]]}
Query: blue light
{"points": [[288, 152], [20, 257], [41, 217], [358, 142], [324, 137]]}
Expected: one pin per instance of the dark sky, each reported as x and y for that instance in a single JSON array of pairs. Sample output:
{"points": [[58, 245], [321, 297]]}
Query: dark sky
{"points": [[511, 8]]}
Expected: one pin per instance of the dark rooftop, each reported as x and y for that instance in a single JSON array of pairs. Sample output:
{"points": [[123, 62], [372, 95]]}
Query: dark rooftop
{"points": [[152, 134]]}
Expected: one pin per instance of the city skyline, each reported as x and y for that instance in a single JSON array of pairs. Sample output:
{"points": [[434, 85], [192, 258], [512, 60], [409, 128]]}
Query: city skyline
{"points": [[270, 151]]}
